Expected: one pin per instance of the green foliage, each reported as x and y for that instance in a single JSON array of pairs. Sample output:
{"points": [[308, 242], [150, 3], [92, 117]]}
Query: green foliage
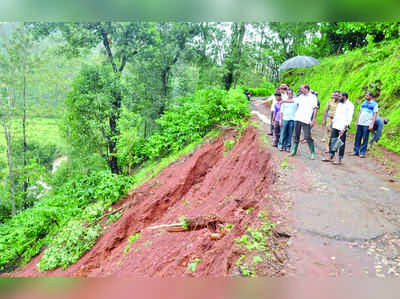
{"points": [[339, 37], [248, 211], [375, 68], [74, 240], [255, 240], [190, 120], [266, 89], [113, 217], [193, 265], [82, 199], [88, 108], [184, 222], [229, 144], [132, 239], [285, 165]]}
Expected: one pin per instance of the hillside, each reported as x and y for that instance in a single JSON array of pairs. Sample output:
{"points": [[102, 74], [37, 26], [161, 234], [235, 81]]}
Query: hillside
{"points": [[225, 186], [375, 68]]}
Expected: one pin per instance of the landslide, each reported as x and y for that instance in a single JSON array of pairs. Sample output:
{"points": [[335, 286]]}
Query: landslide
{"points": [[214, 185]]}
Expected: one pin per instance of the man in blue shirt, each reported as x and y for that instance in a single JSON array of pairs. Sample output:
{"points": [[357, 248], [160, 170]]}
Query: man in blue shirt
{"points": [[288, 111], [365, 123]]}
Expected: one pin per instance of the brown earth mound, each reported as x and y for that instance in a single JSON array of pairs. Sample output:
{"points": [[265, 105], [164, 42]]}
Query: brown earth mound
{"points": [[211, 185]]}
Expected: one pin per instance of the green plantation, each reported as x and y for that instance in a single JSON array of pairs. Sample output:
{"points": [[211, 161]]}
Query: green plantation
{"points": [[375, 68]]}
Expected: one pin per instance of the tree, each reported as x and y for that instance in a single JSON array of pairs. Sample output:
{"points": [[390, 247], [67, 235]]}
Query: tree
{"points": [[232, 61], [7, 100], [120, 42]]}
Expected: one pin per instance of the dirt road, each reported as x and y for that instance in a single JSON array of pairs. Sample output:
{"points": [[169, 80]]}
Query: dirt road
{"points": [[345, 218]]}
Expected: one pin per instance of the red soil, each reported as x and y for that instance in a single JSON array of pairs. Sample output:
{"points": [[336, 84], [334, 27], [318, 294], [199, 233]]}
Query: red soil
{"points": [[206, 183]]}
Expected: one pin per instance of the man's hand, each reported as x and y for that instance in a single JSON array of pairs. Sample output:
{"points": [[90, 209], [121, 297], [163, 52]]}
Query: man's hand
{"points": [[341, 133], [371, 126], [312, 123], [280, 123], [323, 122]]}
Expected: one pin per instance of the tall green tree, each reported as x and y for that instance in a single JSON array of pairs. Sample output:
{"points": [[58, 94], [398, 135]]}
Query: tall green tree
{"points": [[232, 60], [120, 42]]}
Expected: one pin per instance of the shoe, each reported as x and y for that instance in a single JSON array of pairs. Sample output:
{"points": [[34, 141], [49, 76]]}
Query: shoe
{"points": [[294, 149], [270, 134], [323, 139], [353, 154], [312, 150], [362, 156], [281, 149], [330, 159], [338, 162]]}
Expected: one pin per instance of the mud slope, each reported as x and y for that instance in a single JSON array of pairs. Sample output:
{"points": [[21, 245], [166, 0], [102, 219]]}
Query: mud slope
{"points": [[207, 183]]}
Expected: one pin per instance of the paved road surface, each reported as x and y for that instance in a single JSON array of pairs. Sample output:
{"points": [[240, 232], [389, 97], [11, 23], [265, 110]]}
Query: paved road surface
{"points": [[346, 217]]}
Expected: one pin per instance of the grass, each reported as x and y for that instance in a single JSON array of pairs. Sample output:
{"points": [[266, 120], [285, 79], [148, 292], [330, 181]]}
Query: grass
{"points": [[38, 130]]}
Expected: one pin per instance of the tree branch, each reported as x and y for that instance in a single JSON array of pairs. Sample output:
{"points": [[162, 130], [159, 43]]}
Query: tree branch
{"points": [[106, 44]]}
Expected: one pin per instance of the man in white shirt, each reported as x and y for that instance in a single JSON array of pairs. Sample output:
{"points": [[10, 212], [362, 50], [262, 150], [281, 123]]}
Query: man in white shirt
{"points": [[340, 124], [304, 118]]}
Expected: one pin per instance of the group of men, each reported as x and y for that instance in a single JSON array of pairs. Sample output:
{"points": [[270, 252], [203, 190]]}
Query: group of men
{"points": [[293, 114]]}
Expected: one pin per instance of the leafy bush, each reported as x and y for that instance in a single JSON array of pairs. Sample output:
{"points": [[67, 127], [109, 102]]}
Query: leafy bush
{"points": [[263, 91], [69, 245], [23, 236], [188, 121]]}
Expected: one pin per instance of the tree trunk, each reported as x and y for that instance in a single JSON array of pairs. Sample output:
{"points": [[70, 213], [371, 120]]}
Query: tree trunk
{"points": [[242, 31], [7, 133], [116, 104], [25, 188], [113, 162], [164, 81]]}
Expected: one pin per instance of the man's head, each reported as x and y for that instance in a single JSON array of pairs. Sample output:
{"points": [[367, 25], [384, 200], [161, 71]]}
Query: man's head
{"points": [[277, 90], [305, 89], [277, 96], [283, 88], [336, 95], [344, 96], [369, 95]]}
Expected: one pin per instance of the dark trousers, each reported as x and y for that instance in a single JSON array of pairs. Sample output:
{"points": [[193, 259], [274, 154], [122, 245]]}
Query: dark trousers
{"points": [[298, 125], [361, 140], [272, 123], [277, 133], [335, 134], [285, 140]]}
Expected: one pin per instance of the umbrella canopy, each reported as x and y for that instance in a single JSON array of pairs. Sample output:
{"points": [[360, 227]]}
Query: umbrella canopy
{"points": [[299, 61]]}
